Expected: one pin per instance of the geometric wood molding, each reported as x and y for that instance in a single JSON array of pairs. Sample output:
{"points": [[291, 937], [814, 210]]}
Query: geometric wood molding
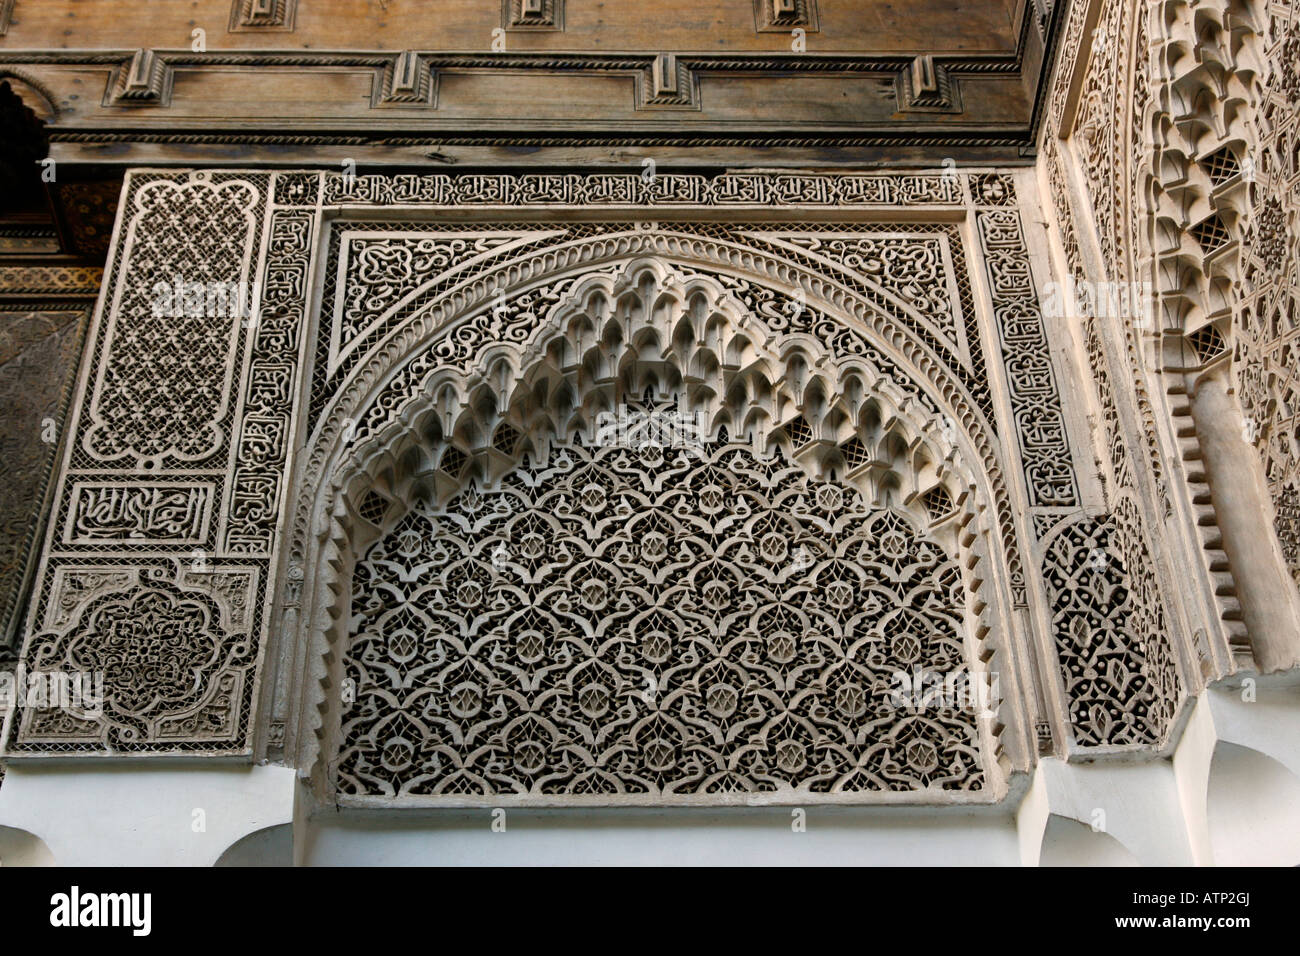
{"points": [[926, 87], [262, 15], [667, 83], [144, 80], [6, 13], [526, 15], [406, 81], [781, 16], [745, 113]]}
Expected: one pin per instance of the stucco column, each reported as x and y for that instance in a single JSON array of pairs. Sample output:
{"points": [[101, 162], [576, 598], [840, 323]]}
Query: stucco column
{"points": [[1267, 595]]}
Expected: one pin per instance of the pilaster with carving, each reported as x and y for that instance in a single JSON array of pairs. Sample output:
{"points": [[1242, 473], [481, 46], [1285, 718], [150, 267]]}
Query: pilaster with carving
{"points": [[162, 543]]}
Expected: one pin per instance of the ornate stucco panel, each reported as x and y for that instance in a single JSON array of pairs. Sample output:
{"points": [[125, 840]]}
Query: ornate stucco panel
{"points": [[153, 579], [883, 332], [1166, 183]]}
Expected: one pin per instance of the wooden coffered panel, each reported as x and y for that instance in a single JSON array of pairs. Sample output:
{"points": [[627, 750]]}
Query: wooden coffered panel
{"points": [[482, 81]]}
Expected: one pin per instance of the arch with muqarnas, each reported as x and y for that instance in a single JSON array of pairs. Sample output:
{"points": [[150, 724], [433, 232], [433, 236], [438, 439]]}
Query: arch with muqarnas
{"points": [[925, 436]]}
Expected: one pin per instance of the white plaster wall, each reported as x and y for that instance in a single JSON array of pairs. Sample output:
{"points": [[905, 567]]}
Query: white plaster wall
{"points": [[101, 815], [1135, 803], [1253, 809], [1230, 794], [20, 848], [1071, 843], [1238, 775], [738, 837]]}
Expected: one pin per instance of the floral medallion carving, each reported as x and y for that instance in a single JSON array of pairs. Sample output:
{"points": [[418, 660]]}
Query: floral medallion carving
{"points": [[170, 649]]}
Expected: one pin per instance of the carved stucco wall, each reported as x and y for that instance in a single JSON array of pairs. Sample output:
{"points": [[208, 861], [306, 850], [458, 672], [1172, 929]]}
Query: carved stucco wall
{"points": [[911, 267], [1090, 152], [1266, 322], [224, 477], [1168, 157], [153, 571]]}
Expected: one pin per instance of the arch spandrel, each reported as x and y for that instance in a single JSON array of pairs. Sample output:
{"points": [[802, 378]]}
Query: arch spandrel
{"points": [[458, 294]]}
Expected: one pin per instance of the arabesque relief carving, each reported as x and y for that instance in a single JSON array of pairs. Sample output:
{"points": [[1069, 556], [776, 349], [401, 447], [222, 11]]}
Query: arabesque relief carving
{"points": [[446, 363]]}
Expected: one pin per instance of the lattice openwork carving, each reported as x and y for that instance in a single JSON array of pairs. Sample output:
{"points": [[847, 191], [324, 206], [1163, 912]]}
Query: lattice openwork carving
{"points": [[655, 621], [1191, 196], [164, 395], [1111, 634], [407, 313]]}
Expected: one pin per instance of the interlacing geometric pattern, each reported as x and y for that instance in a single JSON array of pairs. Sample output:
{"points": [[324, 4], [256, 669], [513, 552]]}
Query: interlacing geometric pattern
{"points": [[900, 261], [654, 620], [1115, 657], [1267, 349], [163, 390], [160, 647]]}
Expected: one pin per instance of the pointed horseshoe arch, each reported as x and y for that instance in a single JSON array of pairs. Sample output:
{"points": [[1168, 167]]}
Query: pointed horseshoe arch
{"points": [[718, 345]]}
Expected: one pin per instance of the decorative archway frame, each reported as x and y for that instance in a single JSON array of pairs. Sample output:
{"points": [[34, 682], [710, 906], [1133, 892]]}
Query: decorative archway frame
{"points": [[323, 506], [276, 490], [641, 306]]}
